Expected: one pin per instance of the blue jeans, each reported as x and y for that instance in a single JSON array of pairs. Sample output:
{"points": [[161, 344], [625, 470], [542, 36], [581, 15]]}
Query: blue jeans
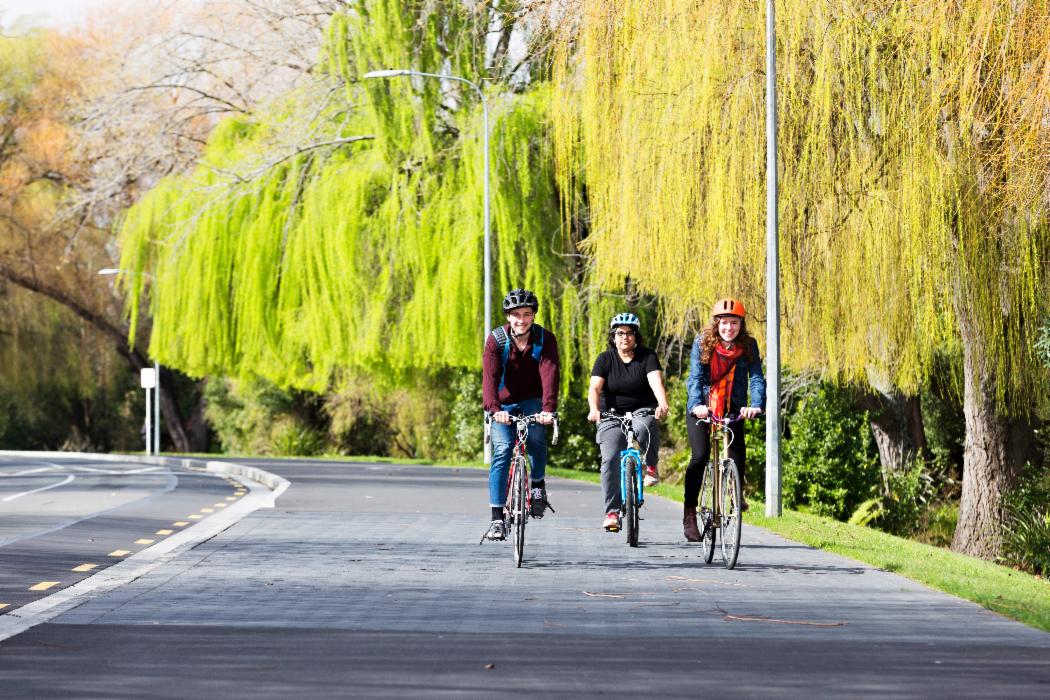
{"points": [[503, 439]]}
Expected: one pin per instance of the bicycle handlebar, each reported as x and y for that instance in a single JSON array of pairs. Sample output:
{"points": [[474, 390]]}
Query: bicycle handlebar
{"points": [[526, 420]]}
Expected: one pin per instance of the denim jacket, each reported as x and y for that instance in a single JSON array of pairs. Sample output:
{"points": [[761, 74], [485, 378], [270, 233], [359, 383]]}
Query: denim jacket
{"points": [[748, 375]]}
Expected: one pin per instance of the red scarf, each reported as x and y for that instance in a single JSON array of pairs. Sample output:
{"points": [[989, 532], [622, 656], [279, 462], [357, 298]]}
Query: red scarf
{"points": [[723, 367]]}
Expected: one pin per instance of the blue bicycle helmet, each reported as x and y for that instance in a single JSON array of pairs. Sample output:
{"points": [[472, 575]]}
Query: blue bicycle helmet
{"points": [[625, 319]]}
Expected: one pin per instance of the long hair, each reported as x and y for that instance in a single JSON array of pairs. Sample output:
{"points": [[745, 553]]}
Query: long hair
{"points": [[709, 338]]}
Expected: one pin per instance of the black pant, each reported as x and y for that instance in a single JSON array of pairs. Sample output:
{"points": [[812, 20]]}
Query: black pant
{"points": [[700, 445]]}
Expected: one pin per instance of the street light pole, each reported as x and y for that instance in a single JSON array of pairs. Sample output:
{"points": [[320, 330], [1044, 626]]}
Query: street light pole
{"points": [[773, 497], [152, 431], [393, 73]]}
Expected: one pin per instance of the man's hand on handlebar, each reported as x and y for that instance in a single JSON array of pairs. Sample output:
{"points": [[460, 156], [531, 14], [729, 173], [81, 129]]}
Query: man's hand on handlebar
{"points": [[749, 412], [545, 418], [501, 417], [594, 416], [661, 411]]}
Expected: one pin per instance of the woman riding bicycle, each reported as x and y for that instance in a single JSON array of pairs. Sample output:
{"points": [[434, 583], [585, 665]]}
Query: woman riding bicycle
{"points": [[723, 367], [626, 377], [520, 369]]}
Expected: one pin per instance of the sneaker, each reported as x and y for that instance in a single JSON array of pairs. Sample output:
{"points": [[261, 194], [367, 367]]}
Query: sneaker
{"points": [[651, 477], [497, 531], [539, 502], [612, 522]]}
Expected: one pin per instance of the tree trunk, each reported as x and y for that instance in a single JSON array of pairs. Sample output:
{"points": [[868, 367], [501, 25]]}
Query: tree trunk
{"points": [[896, 424], [991, 451]]}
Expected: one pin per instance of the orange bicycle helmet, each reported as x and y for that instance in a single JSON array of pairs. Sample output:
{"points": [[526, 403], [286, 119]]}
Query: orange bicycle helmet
{"points": [[728, 307]]}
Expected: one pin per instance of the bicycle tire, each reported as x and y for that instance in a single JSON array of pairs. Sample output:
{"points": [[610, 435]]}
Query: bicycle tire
{"points": [[732, 498], [630, 502], [705, 515], [519, 508]]}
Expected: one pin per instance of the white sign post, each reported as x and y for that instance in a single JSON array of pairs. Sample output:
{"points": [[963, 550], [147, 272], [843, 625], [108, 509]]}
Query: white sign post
{"points": [[148, 379]]}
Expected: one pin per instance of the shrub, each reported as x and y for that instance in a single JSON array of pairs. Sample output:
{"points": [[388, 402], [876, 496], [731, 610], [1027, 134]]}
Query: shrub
{"points": [[1026, 535], [830, 464]]}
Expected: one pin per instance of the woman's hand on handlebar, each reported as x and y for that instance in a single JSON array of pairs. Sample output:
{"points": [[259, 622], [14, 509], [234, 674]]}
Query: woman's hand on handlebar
{"points": [[701, 411], [661, 411], [594, 415], [749, 412]]}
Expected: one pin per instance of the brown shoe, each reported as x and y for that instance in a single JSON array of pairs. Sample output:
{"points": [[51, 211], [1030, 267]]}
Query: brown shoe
{"points": [[692, 532]]}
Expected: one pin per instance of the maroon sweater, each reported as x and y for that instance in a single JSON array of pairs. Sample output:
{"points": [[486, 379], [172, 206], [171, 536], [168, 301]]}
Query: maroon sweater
{"points": [[526, 378]]}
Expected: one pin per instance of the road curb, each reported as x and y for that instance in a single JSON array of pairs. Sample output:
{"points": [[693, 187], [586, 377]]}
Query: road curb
{"points": [[264, 489]]}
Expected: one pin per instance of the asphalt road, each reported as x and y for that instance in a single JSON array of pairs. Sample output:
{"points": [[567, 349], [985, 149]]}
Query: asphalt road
{"points": [[368, 581], [65, 519]]}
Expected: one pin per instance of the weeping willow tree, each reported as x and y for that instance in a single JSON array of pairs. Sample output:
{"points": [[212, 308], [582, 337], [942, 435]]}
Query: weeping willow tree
{"points": [[361, 249], [915, 187]]}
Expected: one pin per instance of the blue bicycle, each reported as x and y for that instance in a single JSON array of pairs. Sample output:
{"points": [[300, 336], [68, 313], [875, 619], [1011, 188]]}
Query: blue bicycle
{"points": [[632, 489]]}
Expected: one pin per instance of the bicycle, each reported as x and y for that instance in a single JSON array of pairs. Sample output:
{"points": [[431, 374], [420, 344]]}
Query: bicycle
{"points": [[518, 508], [721, 497], [632, 483]]}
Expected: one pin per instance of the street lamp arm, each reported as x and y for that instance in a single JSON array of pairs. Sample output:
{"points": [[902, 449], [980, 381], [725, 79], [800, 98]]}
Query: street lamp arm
{"points": [[393, 73]]}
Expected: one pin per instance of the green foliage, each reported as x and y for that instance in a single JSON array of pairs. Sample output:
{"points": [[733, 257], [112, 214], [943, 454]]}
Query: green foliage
{"points": [[292, 440], [1026, 523], [576, 448], [1042, 343], [466, 416], [361, 257], [915, 212], [830, 464]]}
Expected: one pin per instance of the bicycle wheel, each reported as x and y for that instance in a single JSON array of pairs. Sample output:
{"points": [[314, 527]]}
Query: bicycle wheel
{"points": [[630, 502], [519, 500], [731, 514], [706, 516]]}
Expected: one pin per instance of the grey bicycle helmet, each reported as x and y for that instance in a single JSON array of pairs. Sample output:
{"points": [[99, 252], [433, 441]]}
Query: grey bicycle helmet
{"points": [[625, 319], [519, 299]]}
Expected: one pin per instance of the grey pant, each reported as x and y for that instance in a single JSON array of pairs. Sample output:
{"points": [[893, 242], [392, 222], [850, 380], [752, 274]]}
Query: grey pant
{"points": [[612, 441]]}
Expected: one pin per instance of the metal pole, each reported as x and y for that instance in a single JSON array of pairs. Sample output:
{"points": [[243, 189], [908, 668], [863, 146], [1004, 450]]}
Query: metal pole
{"points": [[773, 499], [487, 449], [149, 430], [156, 411]]}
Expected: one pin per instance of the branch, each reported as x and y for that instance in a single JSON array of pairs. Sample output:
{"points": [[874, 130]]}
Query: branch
{"points": [[101, 323]]}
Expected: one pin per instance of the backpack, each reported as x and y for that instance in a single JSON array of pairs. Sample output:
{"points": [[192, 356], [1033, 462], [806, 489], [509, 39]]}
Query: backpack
{"points": [[503, 343]]}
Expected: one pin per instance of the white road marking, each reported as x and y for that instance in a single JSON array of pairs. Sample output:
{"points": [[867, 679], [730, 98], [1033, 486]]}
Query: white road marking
{"points": [[42, 488]]}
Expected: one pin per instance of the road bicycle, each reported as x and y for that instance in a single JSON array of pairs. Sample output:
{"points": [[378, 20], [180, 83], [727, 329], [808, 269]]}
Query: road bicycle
{"points": [[518, 508], [721, 497], [632, 482]]}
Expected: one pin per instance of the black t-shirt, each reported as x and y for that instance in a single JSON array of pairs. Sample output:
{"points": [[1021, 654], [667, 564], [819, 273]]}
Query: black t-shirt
{"points": [[626, 383]]}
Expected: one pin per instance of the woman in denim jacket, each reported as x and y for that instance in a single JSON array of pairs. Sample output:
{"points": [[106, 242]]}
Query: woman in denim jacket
{"points": [[724, 367]]}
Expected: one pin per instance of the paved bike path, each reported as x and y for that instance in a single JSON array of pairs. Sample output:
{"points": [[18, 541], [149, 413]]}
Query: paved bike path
{"points": [[367, 580]]}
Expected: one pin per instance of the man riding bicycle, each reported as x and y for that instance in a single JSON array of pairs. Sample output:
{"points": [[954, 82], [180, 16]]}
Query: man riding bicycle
{"points": [[520, 368]]}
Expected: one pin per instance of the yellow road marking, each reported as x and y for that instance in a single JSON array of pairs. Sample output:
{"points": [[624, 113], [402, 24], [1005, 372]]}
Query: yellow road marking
{"points": [[4, 605], [196, 517], [220, 505], [85, 567], [119, 553], [231, 498], [181, 523], [165, 532], [145, 541], [207, 510], [43, 585]]}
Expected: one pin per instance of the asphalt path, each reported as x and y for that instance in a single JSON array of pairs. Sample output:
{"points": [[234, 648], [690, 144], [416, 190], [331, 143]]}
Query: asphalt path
{"points": [[367, 580]]}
